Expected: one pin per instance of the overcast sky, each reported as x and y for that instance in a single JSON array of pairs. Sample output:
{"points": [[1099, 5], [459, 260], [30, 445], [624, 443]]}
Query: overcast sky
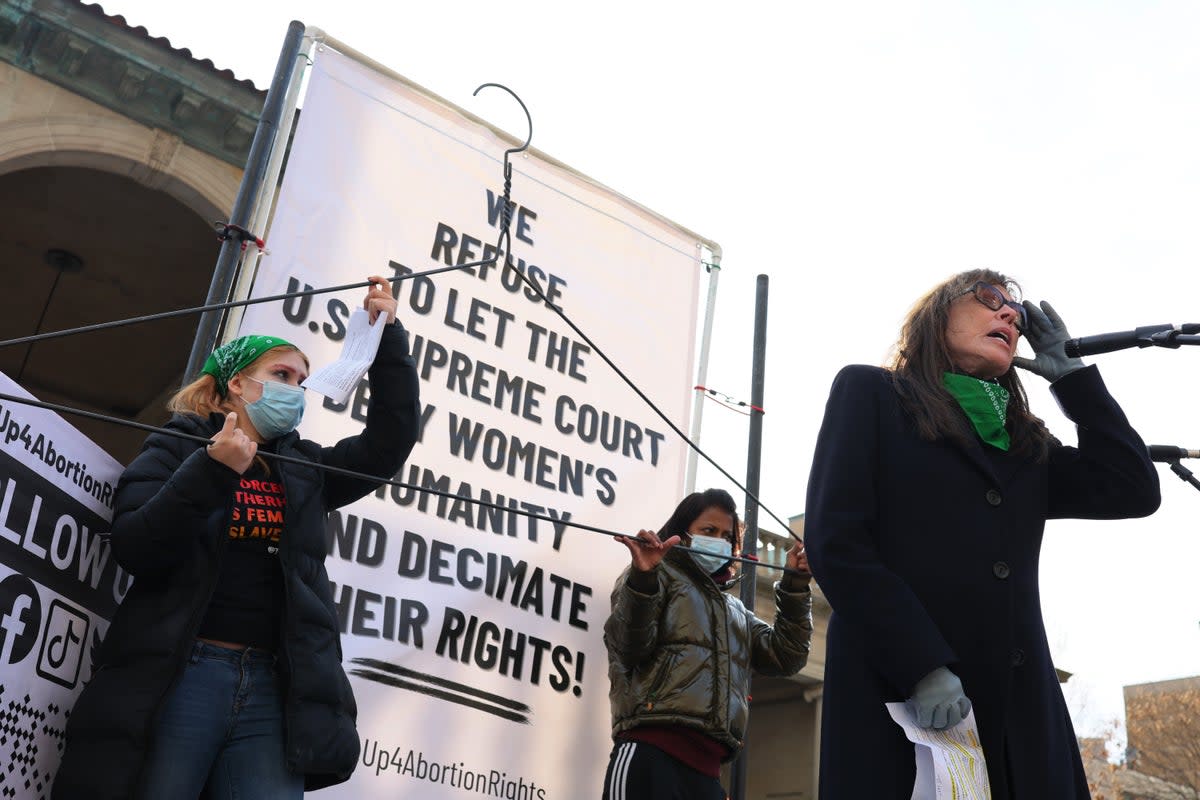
{"points": [[858, 153]]}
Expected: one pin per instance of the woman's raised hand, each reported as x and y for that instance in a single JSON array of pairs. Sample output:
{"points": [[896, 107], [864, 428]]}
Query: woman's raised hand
{"points": [[232, 447], [1047, 335], [646, 550], [379, 300], [797, 559]]}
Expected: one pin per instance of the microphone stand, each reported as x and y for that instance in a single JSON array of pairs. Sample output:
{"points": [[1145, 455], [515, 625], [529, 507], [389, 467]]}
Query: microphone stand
{"points": [[1183, 472], [1186, 333], [1146, 336]]}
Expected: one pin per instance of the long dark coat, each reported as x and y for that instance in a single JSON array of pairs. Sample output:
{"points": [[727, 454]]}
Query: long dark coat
{"points": [[928, 554], [172, 510]]}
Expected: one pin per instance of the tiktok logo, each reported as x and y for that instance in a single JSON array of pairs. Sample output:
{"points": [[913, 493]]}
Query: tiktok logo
{"points": [[62, 645], [20, 618]]}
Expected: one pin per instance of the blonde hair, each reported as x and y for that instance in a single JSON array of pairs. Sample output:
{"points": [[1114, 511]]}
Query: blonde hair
{"points": [[200, 397]]}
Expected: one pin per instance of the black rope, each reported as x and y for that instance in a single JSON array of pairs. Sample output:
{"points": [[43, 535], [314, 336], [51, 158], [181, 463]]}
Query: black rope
{"points": [[236, 304], [351, 473], [504, 237], [654, 408], [503, 243]]}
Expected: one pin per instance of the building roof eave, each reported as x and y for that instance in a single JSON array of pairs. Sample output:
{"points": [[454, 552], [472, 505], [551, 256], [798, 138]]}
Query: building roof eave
{"points": [[101, 57]]}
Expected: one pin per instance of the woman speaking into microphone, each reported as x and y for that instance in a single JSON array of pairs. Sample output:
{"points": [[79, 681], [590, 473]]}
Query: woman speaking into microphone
{"points": [[930, 487]]}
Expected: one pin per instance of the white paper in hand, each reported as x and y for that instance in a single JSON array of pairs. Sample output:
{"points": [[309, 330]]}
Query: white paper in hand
{"points": [[338, 379], [950, 762]]}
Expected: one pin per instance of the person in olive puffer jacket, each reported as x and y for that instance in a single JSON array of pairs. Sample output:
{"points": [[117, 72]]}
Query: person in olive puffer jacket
{"points": [[681, 651]]}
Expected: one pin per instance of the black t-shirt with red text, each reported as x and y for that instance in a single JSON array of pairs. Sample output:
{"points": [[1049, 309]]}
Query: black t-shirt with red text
{"points": [[247, 605]]}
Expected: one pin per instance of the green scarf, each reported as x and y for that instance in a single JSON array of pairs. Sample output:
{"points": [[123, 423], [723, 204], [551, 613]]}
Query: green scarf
{"points": [[232, 357], [985, 404]]}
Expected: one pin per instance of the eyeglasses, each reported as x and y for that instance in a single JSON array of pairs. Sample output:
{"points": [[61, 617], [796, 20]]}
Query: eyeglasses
{"points": [[991, 297]]}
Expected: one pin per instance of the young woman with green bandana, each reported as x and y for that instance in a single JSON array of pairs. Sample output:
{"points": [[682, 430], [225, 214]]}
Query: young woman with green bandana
{"points": [[929, 491], [220, 675]]}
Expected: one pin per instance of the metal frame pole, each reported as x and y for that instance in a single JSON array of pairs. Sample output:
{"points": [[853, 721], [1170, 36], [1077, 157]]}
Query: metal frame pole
{"points": [[753, 463], [243, 206], [264, 201], [710, 308]]}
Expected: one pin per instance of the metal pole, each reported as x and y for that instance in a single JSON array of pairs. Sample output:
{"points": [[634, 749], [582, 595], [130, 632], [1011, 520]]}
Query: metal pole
{"points": [[264, 200], [710, 308], [753, 462], [256, 167]]}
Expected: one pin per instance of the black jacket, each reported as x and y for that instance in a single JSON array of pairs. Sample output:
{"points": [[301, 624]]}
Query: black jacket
{"points": [[172, 507], [928, 554]]}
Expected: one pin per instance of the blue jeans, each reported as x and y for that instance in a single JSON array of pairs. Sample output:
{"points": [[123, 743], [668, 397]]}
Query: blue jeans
{"points": [[220, 731]]}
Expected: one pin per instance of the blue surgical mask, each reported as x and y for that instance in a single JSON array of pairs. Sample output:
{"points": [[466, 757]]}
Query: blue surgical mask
{"points": [[715, 552], [278, 411]]}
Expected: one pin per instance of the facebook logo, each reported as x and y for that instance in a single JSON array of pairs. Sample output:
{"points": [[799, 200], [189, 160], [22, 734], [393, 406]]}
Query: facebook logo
{"points": [[20, 618], [62, 646]]}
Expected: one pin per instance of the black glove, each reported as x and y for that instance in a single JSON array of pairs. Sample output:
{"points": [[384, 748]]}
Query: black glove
{"points": [[1046, 334]]}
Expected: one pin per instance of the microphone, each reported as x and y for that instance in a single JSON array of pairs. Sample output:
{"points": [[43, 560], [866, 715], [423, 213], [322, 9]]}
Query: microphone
{"points": [[1168, 453], [1107, 342]]}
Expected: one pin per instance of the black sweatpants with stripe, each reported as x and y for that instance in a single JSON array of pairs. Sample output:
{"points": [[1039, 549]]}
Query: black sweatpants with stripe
{"points": [[639, 771]]}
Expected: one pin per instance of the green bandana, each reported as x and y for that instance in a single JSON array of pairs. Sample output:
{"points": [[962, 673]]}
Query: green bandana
{"points": [[232, 357], [985, 404]]}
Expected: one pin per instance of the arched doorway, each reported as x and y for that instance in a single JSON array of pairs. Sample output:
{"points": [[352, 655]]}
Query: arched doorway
{"points": [[80, 246]]}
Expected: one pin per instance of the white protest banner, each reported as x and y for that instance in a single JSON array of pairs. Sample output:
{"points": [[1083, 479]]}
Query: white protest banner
{"points": [[59, 584], [473, 636]]}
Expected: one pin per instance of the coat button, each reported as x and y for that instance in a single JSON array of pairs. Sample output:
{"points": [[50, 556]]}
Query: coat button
{"points": [[1018, 657], [1000, 570], [993, 497]]}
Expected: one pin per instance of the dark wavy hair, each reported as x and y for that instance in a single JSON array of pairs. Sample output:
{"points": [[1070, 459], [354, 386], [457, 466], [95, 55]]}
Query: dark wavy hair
{"points": [[921, 355], [693, 506]]}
